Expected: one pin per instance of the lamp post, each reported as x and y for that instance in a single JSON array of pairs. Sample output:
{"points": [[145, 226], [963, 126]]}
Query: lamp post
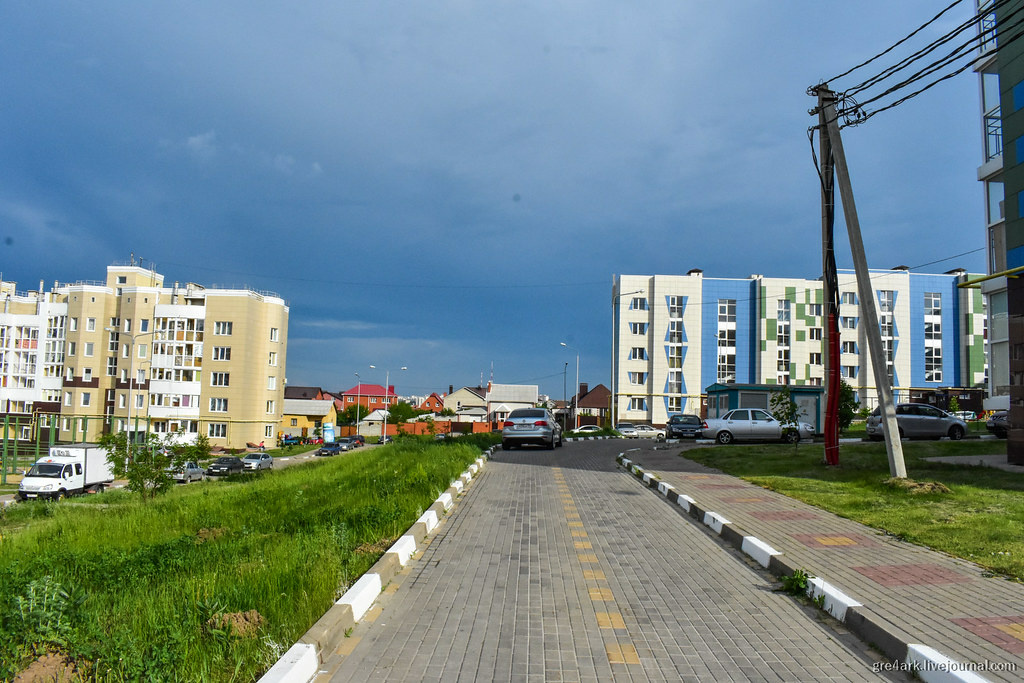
{"points": [[387, 401], [131, 379], [565, 397], [576, 402], [615, 354], [359, 397]]}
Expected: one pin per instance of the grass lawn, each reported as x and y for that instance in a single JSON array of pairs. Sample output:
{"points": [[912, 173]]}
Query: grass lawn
{"points": [[145, 591], [981, 519]]}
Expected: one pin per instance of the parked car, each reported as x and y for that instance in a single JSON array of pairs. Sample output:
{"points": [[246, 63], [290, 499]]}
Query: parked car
{"points": [[225, 464], [627, 430], [531, 426], [188, 472], [684, 426], [586, 429], [998, 423], [649, 432], [965, 415], [329, 449], [918, 420], [258, 461], [357, 440], [291, 440], [753, 424]]}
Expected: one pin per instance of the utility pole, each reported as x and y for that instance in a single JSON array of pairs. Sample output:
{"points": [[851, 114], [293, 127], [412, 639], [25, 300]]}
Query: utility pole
{"points": [[893, 446], [830, 299]]}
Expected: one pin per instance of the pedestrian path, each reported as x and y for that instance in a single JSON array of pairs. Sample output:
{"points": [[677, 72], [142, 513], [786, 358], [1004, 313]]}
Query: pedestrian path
{"points": [[557, 566], [908, 595]]}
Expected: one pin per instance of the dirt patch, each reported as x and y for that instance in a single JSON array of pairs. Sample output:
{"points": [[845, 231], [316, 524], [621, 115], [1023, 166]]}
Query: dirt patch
{"points": [[377, 548], [204, 535], [53, 667], [912, 486], [240, 624]]}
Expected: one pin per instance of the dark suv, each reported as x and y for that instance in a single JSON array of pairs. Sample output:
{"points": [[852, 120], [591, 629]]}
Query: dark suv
{"points": [[683, 426]]}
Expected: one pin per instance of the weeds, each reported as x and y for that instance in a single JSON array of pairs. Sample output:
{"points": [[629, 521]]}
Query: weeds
{"points": [[796, 583]]}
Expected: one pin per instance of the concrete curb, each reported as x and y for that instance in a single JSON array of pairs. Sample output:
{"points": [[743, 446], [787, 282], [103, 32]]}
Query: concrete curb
{"points": [[302, 662], [928, 664]]}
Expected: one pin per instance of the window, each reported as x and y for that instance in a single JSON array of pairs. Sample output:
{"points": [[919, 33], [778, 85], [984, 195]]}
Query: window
{"points": [[815, 359], [86, 398], [849, 347], [268, 431], [273, 334], [295, 422], [932, 303], [675, 356], [88, 348], [87, 374], [675, 331], [675, 306], [727, 338], [142, 351], [67, 400], [128, 325], [848, 298], [814, 309], [638, 304], [638, 404], [217, 430], [848, 371], [675, 382], [222, 353], [222, 328], [69, 373], [140, 401], [90, 324], [814, 333], [273, 358], [638, 353], [886, 300], [126, 351], [218, 405], [637, 377], [638, 328], [73, 324], [726, 368], [270, 407], [121, 401], [727, 310], [272, 385], [932, 363], [111, 366], [674, 404], [220, 379], [72, 347], [144, 325], [848, 322]]}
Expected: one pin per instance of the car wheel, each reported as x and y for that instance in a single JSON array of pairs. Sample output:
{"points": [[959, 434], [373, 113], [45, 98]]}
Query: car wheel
{"points": [[559, 444], [724, 437], [60, 495], [551, 446], [956, 432], [791, 436], [506, 446]]}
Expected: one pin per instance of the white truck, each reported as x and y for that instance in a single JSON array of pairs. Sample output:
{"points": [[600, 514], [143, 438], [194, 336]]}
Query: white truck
{"points": [[67, 471]]}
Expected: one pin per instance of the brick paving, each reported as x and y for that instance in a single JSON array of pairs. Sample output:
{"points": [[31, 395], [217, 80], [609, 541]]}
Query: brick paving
{"points": [[556, 566], [946, 603]]}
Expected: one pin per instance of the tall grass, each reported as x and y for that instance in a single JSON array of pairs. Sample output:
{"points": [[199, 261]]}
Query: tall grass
{"points": [[139, 583]]}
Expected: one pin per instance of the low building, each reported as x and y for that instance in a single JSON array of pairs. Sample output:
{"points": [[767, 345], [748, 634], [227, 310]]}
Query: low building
{"points": [[307, 418]]}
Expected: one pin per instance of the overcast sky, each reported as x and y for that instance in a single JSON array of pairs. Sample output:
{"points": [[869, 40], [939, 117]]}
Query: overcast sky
{"points": [[450, 186]]}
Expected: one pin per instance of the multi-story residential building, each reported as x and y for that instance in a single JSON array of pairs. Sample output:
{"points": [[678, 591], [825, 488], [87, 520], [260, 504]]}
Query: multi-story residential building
{"points": [[130, 354], [990, 173], [675, 335]]}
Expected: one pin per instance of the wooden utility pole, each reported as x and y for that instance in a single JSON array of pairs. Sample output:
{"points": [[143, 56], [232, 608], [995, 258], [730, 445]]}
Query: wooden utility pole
{"points": [[830, 308], [869, 313]]}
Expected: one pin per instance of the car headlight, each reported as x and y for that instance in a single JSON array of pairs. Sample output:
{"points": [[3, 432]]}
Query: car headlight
{"points": [[46, 487]]}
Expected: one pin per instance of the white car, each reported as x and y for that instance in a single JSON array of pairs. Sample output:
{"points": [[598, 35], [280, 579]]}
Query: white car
{"points": [[587, 428], [649, 432], [753, 424]]}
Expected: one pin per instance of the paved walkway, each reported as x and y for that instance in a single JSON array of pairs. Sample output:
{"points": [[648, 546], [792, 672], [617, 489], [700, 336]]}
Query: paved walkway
{"points": [[920, 595], [556, 566]]}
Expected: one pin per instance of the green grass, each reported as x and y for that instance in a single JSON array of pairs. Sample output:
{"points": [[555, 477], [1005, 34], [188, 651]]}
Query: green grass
{"points": [[133, 585], [981, 519]]}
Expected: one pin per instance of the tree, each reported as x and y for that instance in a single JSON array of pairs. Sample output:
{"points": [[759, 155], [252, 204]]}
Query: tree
{"points": [[447, 412], [399, 412], [348, 416], [785, 410], [847, 405], [145, 467], [954, 405]]}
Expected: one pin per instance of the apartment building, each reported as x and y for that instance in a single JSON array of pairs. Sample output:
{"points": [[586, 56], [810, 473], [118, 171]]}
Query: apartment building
{"points": [[675, 335], [130, 354]]}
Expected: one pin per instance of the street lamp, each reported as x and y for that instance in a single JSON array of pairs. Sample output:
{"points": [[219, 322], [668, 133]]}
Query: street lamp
{"points": [[576, 403], [615, 354], [359, 397], [131, 379], [387, 402]]}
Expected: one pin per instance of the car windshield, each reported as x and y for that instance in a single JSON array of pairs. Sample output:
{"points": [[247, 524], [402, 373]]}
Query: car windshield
{"points": [[224, 461], [251, 457], [45, 469], [525, 412]]}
